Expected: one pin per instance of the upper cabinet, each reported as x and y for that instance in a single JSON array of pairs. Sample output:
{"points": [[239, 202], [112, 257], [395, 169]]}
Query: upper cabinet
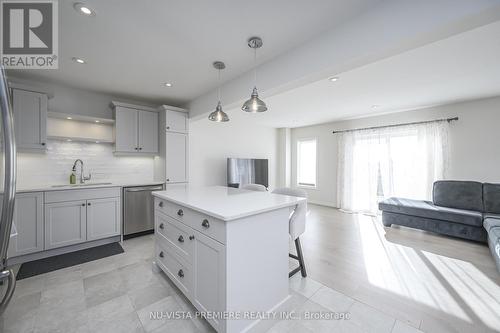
{"points": [[30, 119], [176, 121], [136, 129]]}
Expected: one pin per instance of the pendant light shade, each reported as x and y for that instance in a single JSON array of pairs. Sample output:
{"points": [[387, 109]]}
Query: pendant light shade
{"points": [[254, 104], [218, 115]]}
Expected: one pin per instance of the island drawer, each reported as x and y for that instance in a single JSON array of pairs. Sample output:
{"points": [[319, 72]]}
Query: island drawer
{"points": [[180, 273], [176, 234], [207, 225]]}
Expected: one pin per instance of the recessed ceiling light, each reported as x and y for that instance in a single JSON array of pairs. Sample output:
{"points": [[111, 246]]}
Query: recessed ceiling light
{"points": [[69, 118], [375, 106], [167, 84], [78, 60], [83, 9], [334, 78]]}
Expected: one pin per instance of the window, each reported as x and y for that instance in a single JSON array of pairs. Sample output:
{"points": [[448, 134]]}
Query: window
{"points": [[306, 162]]}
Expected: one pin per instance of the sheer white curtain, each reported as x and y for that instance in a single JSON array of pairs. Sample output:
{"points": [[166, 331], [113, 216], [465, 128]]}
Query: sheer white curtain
{"points": [[401, 161]]}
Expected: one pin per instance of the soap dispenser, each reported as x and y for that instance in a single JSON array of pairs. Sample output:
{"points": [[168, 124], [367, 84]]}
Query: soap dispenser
{"points": [[72, 177]]}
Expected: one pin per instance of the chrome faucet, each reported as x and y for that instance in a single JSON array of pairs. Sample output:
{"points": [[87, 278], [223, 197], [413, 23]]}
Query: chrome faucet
{"points": [[82, 176]]}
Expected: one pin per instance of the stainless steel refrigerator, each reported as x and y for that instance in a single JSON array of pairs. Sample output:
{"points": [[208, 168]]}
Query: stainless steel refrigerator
{"points": [[7, 190]]}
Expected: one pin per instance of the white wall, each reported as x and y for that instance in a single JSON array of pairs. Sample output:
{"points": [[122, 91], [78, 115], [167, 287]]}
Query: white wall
{"points": [[474, 141], [210, 144], [54, 166]]}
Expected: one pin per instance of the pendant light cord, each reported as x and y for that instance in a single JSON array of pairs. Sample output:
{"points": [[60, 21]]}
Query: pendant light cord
{"points": [[255, 66], [218, 88]]}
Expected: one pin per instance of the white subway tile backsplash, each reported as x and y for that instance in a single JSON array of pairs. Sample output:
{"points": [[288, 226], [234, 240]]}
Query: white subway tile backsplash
{"points": [[54, 167]]}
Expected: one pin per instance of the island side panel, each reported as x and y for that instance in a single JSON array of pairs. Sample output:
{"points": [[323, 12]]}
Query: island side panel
{"points": [[256, 264]]}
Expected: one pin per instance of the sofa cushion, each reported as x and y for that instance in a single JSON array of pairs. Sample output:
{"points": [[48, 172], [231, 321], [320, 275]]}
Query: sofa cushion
{"points": [[458, 194], [427, 209], [494, 242], [491, 198], [490, 223]]}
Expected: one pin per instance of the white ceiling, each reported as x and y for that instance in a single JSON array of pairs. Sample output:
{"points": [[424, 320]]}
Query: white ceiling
{"points": [[462, 67], [132, 47]]}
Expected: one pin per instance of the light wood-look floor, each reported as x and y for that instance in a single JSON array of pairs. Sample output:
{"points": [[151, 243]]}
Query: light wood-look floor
{"points": [[430, 282]]}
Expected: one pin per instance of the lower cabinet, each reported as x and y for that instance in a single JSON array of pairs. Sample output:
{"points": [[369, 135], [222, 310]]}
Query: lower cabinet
{"points": [[65, 223], [103, 218], [209, 271], [28, 222]]}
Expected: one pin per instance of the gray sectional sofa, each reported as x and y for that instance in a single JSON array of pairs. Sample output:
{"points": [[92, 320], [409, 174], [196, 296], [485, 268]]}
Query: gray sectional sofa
{"points": [[464, 209]]}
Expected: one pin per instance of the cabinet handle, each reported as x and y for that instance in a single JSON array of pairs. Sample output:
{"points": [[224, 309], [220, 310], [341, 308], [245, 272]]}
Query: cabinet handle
{"points": [[161, 254], [180, 212], [88, 204], [136, 148], [83, 205], [140, 148], [180, 273], [205, 224], [168, 127], [43, 143], [168, 179], [160, 204], [161, 226], [191, 237], [180, 239]]}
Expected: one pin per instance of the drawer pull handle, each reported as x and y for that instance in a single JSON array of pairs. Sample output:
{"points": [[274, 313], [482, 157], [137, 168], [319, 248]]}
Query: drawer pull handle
{"points": [[180, 239], [160, 204], [180, 273], [161, 254], [191, 237], [180, 212], [83, 205], [162, 226], [205, 224]]}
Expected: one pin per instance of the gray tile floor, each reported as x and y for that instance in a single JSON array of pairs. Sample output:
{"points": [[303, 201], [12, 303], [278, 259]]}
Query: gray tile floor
{"points": [[118, 293]]}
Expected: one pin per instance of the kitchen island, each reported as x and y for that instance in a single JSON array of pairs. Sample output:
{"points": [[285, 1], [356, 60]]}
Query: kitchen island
{"points": [[226, 249]]}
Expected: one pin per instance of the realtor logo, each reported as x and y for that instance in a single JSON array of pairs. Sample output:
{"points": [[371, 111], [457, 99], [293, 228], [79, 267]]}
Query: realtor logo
{"points": [[29, 34]]}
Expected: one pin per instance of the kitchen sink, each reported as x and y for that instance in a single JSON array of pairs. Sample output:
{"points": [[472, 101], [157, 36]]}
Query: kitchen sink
{"points": [[81, 185]]}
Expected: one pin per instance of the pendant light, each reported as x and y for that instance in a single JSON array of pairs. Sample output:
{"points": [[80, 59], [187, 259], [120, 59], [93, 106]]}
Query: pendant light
{"points": [[218, 115], [254, 104]]}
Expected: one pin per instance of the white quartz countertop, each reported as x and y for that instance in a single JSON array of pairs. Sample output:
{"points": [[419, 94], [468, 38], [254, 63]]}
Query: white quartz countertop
{"points": [[89, 185], [226, 203]]}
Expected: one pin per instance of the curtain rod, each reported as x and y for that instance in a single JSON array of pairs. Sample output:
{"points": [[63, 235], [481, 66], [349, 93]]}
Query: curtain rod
{"points": [[396, 125]]}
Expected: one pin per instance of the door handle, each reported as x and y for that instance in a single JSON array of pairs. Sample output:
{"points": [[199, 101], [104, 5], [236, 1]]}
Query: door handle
{"points": [[180, 239], [180, 273], [205, 224]]}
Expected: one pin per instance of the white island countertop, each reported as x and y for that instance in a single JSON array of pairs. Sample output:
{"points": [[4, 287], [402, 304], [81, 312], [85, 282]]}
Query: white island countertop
{"points": [[226, 203]]}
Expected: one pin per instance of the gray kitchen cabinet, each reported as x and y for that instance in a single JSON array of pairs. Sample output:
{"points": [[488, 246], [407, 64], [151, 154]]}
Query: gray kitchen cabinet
{"points": [[176, 157], [176, 121], [103, 218], [28, 221], [136, 129], [30, 119], [126, 134], [65, 223], [148, 131]]}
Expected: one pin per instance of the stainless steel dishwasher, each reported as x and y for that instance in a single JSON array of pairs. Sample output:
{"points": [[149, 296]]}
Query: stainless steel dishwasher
{"points": [[138, 210]]}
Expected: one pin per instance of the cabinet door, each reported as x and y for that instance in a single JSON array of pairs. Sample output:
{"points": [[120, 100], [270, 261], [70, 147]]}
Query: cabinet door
{"points": [[176, 121], [176, 157], [65, 223], [28, 220], [148, 132], [103, 218], [126, 130], [209, 270], [30, 119]]}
